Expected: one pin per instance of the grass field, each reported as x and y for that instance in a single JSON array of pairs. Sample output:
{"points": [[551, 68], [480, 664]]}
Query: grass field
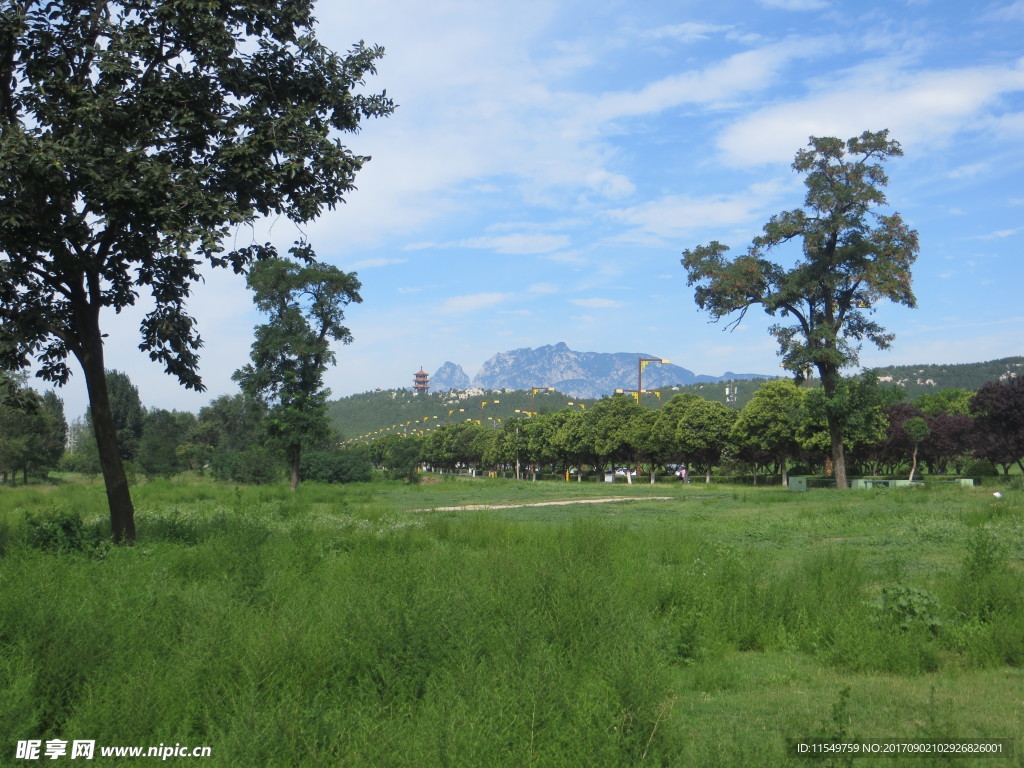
{"points": [[382, 625]]}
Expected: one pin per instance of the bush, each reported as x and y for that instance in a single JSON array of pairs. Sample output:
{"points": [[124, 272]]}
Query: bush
{"points": [[253, 466], [60, 530], [348, 466], [981, 468]]}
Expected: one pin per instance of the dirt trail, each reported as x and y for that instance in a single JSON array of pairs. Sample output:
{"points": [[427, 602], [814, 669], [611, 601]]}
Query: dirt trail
{"points": [[609, 500]]}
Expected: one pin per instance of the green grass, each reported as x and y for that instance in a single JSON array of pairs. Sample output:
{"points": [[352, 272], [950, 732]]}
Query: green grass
{"points": [[362, 626]]}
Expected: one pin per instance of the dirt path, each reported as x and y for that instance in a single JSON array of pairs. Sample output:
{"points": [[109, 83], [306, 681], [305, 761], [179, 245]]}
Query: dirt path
{"points": [[609, 500]]}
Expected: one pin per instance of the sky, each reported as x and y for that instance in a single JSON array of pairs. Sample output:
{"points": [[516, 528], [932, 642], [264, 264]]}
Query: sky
{"points": [[549, 161]]}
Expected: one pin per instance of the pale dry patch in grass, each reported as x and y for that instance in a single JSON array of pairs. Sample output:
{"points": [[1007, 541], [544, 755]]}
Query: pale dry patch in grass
{"points": [[609, 500]]}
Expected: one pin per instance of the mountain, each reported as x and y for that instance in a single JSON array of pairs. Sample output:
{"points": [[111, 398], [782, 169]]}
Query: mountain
{"points": [[583, 374], [449, 376]]}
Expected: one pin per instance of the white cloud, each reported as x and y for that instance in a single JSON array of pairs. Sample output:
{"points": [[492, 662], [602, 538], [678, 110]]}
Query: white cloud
{"points": [[1000, 234], [687, 32], [1012, 12], [612, 186], [457, 305], [918, 108], [718, 83], [673, 215], [597, 303], [969, 171], [521, 244], [544, 288], [576, 257]]}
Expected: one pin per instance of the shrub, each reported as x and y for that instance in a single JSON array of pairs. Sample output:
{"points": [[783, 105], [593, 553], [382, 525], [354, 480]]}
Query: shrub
{"points": [[981, 468], [253, 466], [60, 530], [348, 466]]}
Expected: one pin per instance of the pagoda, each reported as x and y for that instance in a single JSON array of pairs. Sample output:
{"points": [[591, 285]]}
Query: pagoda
{"points": [[421, 381]]}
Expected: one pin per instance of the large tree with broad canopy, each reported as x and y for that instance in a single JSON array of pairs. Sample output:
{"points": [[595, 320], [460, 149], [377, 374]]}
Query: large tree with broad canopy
{"points": [[136, 136], [852, 257]]}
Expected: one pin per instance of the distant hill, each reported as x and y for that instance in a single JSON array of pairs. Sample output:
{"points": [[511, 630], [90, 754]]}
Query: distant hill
{"points": [[914, 380], [403, 411], [918, 379]]}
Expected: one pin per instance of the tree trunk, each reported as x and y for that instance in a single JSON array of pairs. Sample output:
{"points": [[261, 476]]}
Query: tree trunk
{"points": [[785, 473], [835, 432], [122, 512], [829, 376], [913, 464], [295, 452]]}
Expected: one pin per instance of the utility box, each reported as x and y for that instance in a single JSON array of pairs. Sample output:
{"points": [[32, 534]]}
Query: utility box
{"points": [[609, 477], [798, 484], [966, 482]]}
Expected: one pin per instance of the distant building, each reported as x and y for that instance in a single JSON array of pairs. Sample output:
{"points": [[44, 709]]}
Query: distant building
{"points": [[421, 381]]}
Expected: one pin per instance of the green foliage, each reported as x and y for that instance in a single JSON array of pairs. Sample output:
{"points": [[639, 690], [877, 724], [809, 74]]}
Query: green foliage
{"points": [[955, 402], [403, 460], [769, 424], [613, 424], [305, 305], [32, 428], [981, 468], [350, 465], [231, 423], [909, 607], [61, 531], [164, 432], [855, 404], [256, 465], [701, 429]]}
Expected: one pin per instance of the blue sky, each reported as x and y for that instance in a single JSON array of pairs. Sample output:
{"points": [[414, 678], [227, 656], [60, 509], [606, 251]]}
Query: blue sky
{"points": [[550, 160]]}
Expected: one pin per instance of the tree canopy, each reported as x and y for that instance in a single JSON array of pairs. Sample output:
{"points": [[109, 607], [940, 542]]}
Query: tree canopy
{"points": [[135, 138], [852, 256], [305, 305]]}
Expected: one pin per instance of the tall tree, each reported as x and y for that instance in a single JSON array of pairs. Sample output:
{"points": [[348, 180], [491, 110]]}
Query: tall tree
{"points": [[126, 411], [164, 433], [998, 407], [614, 438], [135, 138], [852, 257], [770, 422], [305, 303], [917, 430], [702, 430]]}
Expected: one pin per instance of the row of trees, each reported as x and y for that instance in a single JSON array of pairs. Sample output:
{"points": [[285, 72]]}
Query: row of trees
{"points": [[239, 437], [782, 424]]}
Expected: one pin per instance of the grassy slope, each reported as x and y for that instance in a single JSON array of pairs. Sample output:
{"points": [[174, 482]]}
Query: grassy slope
{"points": [[341, 627]]}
